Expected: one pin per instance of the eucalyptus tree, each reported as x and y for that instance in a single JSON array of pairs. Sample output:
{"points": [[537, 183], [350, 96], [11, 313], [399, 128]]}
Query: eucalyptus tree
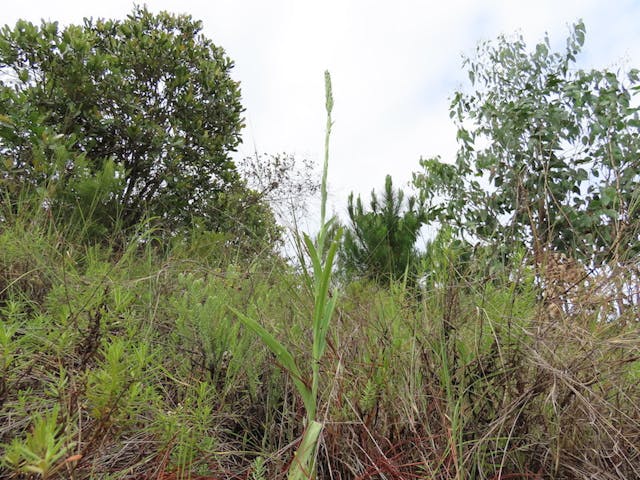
{"points": [[548, 153]]}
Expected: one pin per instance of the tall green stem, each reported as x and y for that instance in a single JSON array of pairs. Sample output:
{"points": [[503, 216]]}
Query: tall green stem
{"points": [[303, 466]]}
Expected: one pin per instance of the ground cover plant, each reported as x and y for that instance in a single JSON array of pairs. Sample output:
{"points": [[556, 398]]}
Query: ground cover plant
{"points": [[131, 353]]}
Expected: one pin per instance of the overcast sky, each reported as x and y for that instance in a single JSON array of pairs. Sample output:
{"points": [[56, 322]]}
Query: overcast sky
{"points": [[394, 66]]}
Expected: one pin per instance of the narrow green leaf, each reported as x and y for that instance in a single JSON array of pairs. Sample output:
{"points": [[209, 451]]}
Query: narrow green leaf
{"points": [[282, 354], [313, 253], [322, 334], [302, 467]]}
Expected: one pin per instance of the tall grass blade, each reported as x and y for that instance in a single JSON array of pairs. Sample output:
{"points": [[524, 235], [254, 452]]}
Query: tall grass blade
{"points": [[283, 355]]}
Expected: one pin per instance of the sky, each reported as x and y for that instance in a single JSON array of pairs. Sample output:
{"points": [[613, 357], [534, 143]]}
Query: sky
{"points": [[394, 66]]}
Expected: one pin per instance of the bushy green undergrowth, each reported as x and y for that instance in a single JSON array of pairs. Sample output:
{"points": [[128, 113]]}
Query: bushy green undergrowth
{"points": [[124, 361], [185, 347]]}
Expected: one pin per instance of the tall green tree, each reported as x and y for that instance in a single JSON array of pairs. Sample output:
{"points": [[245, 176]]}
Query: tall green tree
{"points": [[149, 93], [548, 153], [380, 243]]}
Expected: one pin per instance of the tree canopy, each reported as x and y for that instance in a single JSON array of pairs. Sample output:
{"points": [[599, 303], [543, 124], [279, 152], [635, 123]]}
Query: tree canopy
{"points": [[149, 93], [380, 243], [548, 153]]}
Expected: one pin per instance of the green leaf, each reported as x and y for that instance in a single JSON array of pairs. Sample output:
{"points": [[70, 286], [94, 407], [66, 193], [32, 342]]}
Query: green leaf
{"points": [[303, 464], [285, 359]]}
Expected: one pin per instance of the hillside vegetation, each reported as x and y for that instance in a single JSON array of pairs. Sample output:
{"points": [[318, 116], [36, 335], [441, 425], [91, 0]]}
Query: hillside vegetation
{"points": [[144, 342]]}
